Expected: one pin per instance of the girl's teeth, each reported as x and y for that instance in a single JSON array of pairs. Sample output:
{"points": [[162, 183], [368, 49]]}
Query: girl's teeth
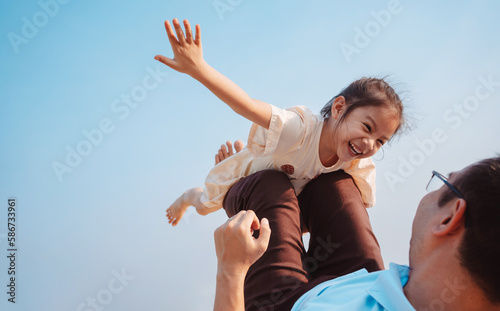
{"points": [[355, 151]]}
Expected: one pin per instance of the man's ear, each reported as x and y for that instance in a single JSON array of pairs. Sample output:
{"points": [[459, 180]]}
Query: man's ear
{"points": [[453, 218], [338, 106]]}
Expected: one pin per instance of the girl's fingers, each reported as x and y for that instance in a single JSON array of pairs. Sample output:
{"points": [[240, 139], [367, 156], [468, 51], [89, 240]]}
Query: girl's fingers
{"points": [[218, 159], [170, 34], [167, 61], [197, 38], [224, 150], [238, 145], [189, 34], [180, 33], [181, 38], [229, 148]]}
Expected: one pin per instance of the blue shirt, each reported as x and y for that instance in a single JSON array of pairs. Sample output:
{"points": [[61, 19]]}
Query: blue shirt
{"points": [[360, 290]]}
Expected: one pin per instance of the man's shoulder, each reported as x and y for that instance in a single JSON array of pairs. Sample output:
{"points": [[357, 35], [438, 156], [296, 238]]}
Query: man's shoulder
{"points": [[360, 290]]}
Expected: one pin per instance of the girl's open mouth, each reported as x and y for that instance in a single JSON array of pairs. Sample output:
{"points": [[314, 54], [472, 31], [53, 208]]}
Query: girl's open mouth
{"points": [[354, 150]]}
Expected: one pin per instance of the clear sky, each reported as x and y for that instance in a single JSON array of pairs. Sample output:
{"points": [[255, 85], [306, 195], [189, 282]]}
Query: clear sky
{"points": [[98, 138]]}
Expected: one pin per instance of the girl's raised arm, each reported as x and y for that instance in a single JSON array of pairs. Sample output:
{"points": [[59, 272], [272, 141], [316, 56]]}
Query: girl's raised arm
{"points": [[188, 58]]}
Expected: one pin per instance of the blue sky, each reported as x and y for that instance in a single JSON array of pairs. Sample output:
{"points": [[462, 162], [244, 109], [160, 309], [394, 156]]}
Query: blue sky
{"points": [[94, 226]]}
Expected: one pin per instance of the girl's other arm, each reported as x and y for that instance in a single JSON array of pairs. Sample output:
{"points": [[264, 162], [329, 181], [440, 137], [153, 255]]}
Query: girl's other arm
{"points": [[226, 90], [188, 58]]}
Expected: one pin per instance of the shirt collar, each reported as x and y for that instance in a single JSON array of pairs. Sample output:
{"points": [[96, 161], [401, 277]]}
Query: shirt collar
{"points": [[387, 290]]}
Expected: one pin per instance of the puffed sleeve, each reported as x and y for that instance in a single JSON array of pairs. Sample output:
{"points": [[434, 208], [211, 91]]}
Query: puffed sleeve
{"points": [[288, 127], [363, 173]]}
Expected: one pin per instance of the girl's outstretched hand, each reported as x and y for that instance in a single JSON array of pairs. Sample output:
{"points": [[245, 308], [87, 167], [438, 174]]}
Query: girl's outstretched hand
{"points": [[188, 53]]}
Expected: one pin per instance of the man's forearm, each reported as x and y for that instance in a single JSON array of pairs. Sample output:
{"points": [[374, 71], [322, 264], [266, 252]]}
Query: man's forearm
{"points": [[229, 295]]}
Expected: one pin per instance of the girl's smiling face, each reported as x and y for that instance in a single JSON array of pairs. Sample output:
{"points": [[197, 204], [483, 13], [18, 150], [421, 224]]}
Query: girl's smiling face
{"points": [[360, 135]]}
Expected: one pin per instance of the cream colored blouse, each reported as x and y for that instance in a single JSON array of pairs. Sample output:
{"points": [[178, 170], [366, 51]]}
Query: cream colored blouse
{"points": [[290, 145]]}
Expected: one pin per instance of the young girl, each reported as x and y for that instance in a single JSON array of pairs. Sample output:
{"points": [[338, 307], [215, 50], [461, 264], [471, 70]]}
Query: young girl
{"points": [[351, 128]]}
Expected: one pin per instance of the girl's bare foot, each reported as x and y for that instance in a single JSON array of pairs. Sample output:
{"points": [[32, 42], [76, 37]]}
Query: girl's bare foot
{"points": [[176, 211], [225, 153]]}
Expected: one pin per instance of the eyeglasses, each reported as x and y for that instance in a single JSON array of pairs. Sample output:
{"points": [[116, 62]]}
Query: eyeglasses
{"points": [[435, 183]]}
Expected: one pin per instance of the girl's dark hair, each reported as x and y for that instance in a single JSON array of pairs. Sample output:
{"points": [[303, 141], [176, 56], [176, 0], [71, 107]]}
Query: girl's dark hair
{"points": [[368, 92]]}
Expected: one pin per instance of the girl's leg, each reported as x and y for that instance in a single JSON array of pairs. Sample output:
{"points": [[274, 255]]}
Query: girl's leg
{"points": [[342, 240], [279, 271]]}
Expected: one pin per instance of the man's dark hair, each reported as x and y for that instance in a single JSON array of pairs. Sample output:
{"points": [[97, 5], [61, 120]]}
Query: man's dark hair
{"points": [[479, 251]]}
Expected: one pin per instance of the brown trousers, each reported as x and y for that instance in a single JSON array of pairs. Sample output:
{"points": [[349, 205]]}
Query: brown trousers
{"points": [[341, 237]]}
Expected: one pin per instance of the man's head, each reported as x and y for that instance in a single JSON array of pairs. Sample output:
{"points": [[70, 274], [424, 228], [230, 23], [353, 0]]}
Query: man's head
{"points": [[468, 228]]}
